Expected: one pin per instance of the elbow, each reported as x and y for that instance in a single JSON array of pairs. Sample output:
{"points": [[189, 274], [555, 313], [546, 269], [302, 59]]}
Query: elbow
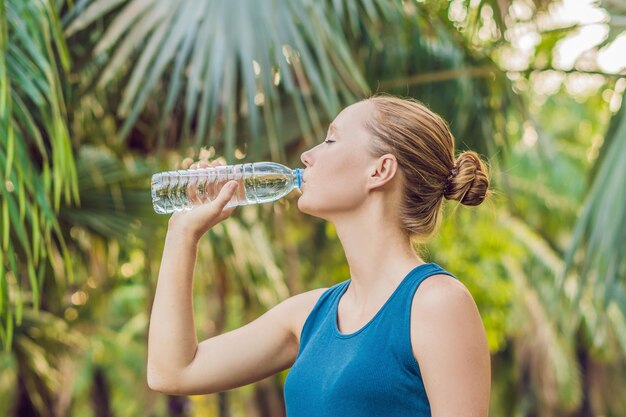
{"points": [[163, 384], [156, 383]]}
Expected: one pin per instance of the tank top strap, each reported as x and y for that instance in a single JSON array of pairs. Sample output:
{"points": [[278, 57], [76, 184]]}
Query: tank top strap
{"points": [[402, 303], [398, 313], [419, 275]]}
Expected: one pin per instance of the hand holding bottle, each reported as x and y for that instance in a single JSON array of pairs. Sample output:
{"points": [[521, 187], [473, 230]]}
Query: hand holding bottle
{"points": [[201, 218]]}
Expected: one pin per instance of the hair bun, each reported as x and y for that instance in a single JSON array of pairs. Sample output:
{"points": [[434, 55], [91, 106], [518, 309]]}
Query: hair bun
{"points": [[470, 184]]}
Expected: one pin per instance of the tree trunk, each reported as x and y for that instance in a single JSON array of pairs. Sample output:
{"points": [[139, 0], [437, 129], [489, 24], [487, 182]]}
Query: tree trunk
{"points": [[100, 398], [584, 363], [223, 404], [178, 406], [23, 405], [221, 283], [269, 398]]}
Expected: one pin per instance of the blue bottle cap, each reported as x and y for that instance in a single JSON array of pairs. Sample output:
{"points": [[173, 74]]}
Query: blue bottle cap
{"points": [[299, 175]]}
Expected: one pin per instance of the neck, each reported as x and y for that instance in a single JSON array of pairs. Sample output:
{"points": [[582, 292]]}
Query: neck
{"points": [[378, 254]]}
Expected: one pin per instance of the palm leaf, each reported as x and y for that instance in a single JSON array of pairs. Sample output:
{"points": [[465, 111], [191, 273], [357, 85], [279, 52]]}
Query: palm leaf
{"points": [[32, 115], [40, 343], [601, 226], [214, 46], [548, 355], [115, 196]]}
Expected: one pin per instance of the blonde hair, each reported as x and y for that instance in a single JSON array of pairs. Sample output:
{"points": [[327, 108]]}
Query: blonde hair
{"points": [[424, 148]]}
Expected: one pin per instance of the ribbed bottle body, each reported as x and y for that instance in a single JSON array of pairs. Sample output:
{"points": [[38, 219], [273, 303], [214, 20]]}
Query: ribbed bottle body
{"points": [[259, 182]]}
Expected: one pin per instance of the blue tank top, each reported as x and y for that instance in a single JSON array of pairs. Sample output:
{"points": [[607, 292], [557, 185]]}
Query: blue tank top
{"points": [[371, 372]]}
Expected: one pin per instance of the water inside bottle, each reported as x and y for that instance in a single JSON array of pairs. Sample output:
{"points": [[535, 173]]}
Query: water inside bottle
{"points": [[183, 190]]}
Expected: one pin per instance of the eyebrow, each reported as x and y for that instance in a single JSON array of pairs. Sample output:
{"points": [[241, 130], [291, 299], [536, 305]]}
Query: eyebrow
{"points": [[332, 128]]}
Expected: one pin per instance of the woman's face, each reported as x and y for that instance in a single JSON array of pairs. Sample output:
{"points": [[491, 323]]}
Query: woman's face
{"points": [[337, 170]]}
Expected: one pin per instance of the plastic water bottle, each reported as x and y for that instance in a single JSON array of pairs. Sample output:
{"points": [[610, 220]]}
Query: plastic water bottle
{"points": [[259, 182]]}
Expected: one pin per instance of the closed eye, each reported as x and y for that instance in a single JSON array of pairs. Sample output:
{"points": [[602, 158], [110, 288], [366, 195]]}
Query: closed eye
{"points": [[328, 141]]}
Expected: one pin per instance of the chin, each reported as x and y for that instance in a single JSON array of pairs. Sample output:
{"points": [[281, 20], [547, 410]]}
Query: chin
{"points": [[300, 204], [311, 211], [303, 206]]}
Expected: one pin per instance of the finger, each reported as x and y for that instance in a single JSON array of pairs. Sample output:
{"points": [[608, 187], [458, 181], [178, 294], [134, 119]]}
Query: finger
{"points": [[206, 190], [215, 210], [205, 154], [193, 184], [192, 189], [225, 214], [186, 163], [225, 194]]}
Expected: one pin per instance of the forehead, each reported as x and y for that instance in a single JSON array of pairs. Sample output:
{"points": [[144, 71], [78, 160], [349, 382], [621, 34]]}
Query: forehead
{"points": [[353, 117]]}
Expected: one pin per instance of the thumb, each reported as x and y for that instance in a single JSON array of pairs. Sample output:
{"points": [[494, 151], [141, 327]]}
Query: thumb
{"points": [[226, 193]]}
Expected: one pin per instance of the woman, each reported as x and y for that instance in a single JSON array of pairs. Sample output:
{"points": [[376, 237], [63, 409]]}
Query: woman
{"points": [[369, 346]]}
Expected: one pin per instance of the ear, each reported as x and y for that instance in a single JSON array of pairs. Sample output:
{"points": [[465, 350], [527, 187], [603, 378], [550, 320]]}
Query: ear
{"points": [[382, 171]]}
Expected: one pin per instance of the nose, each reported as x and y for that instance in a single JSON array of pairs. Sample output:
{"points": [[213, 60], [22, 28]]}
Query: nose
{"points": [[305, 158]]}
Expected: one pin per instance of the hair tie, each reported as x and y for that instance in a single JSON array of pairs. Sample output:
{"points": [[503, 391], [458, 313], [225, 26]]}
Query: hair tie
{"points": [[453, 172]]}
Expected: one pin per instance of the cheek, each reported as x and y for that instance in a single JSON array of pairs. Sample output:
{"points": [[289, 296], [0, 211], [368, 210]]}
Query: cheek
{"points": [[338, 182]]}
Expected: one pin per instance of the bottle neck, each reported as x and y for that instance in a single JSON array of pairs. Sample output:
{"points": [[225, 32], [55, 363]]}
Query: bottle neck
{"points": [[297, 177]]}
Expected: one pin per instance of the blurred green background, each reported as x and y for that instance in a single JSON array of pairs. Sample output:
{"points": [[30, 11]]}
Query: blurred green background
{"points": [[96, 95]]}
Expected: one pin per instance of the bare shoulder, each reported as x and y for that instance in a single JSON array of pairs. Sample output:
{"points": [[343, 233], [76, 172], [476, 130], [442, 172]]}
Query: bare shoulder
{"points": [[443, 302], [450, 345], [440, 288], [298, 307]]}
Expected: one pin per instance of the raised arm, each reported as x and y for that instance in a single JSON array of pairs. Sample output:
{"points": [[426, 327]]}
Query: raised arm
{"points": [[177, 363]]}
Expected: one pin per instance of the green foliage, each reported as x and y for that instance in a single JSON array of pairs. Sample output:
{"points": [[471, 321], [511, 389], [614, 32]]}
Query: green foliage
{"points": [[217, 50], [151, 75], [36, 156], [602, 224], [466, 243]]}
